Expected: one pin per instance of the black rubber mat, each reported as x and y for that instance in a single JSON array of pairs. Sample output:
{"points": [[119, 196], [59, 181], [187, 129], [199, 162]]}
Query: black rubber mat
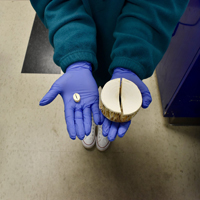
{"points": [[39, 54]]}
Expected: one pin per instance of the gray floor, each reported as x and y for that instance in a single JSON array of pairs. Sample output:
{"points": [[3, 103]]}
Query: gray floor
{"points": [[38, 161]]}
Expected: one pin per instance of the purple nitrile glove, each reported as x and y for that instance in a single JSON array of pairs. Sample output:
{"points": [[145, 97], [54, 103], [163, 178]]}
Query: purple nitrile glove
{"points": [[112, 129], [78, 78]]}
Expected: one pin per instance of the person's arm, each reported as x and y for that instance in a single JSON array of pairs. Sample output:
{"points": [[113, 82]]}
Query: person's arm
{"points": [[72, 31], [143, 32]]}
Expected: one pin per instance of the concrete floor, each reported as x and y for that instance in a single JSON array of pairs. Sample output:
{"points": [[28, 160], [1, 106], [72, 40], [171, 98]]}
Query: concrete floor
{"points": [[38, 160]]}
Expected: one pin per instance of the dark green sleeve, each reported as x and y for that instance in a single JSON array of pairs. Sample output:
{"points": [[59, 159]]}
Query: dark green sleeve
{"points": [[72, 31], [143, 33]]}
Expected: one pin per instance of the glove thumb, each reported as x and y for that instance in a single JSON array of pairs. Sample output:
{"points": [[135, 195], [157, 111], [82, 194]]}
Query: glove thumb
{"points": [[50, 96], [146, 99]]}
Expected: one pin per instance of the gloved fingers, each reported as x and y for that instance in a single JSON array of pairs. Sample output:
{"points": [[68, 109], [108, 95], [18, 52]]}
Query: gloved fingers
{"points": [[95, 112], [102, 117], [80, 130], [69, 118], [123, 127], [87, 120], [146, 95], [146, 99], [106, 127], [142, 87], [50, 95], [113, 131]]}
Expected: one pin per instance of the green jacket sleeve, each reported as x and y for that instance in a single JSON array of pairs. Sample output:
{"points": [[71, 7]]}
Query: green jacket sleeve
{"points": [[72, 31], [143, 33]]}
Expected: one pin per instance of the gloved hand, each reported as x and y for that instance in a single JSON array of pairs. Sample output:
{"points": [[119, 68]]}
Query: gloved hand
{"points": [[77, 79], [112, 129]]}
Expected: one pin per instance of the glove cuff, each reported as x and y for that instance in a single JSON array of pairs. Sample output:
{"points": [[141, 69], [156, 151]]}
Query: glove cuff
{"points": [[81, 64], [122, 70]]}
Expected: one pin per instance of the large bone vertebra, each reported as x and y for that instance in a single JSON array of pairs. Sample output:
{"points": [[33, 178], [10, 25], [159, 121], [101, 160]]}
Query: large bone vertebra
{"points": [[119, 103]]}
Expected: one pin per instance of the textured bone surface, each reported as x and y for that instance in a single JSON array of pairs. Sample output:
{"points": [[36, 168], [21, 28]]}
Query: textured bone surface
{"points": [[109, 100], [110, 94]]}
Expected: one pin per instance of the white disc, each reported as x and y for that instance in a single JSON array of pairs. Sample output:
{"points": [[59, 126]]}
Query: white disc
{"points": [[110, 95], [76, 97], [131, 98]]}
